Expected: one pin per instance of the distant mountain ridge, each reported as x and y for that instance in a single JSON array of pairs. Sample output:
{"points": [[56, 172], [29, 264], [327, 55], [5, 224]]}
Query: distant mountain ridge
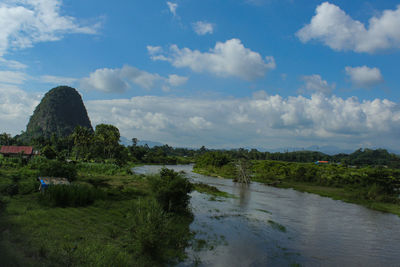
{"points": [[59, 112], [127, 142]]}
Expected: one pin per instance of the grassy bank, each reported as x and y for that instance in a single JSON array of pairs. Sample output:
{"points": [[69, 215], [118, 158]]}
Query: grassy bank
{"points": [[345, 194], [375, 188], [126, 224]]}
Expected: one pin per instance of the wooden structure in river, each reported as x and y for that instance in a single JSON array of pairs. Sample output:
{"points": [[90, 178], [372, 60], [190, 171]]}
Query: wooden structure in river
{"points": [[242, 171]]}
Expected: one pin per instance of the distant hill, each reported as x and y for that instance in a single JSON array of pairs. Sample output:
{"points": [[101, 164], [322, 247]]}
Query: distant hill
{"points": [[127, 142], [59, 112]]}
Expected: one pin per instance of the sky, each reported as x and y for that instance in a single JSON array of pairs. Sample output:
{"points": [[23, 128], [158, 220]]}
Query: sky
{"points": [[218, 73]]}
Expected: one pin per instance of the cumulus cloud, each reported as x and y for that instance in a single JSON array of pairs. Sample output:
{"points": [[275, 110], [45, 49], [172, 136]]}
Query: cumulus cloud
{"points": [[226, 59], [176, 80], [105, 80], [172, 7], [268, 121], [24, 23], [333, 27], [120, 79], [364, 76], [16, 106], [315, 83], [203, 27]]}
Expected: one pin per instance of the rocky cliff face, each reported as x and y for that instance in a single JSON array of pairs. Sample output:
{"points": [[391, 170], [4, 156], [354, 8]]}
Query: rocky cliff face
{"points": [[59, 112]]}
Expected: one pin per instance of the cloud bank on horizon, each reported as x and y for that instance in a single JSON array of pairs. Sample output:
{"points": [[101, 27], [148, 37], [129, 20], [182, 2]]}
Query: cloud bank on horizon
{"points": [[180, 81]]}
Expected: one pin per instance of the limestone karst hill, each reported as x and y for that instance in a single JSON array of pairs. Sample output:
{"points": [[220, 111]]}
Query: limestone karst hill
{"points": [[59, 112]]}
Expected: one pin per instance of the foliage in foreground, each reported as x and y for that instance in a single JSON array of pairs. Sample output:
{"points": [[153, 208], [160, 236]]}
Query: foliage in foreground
{"points": [[158, 237], [171, 190], [118, 222]]}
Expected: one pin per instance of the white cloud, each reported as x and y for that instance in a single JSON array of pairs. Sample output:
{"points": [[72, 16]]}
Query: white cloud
{"points": [[176, 80], [225, 59], [203, 27], [12, 77], [315, 83], [172, 7], [25, 22], [153, 50], [105, 80], [16, 106], [57, 80], [333, 27], [139, 77], [269, 121], [12, 64], [364, 76], [120, 79], [200, 122]]}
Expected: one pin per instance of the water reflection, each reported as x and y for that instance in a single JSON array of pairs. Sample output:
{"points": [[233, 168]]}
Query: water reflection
{"points": [[266, 226], [242, 190]]}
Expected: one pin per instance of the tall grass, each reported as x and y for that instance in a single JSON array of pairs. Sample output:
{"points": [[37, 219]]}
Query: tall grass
{"points": [[103, 168], [71, 195]]}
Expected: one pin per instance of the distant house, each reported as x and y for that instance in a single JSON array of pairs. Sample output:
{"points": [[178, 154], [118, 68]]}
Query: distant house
{"points": [[25, 151], [321, 162]]}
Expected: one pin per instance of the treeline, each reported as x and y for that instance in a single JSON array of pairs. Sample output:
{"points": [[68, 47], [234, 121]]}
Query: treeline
{"points": [[359, 158], [101, 145]]}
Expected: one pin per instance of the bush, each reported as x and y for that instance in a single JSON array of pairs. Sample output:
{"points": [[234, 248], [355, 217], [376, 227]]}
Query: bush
{"points": [[103, 168], [55, 168], [71, 195], [172, 191], [49, 152], [157, 237]]}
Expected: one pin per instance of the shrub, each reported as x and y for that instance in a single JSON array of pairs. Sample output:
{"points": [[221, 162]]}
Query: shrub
{"points": [[157, 237], [55, 168], [71, 195], [28, 186], [172, 190], [103, 168]]}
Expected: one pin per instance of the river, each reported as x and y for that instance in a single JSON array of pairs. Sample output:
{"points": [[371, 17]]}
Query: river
{"points": [[267, 226]]}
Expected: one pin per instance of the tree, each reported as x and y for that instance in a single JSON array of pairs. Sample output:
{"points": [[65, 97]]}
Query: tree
{"points": [[107, 137], [5, 139], [49, 152], [134, 141], [82, 137]]}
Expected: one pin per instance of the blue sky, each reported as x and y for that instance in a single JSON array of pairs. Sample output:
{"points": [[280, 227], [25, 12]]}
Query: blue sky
{"points": [[256, 73]]}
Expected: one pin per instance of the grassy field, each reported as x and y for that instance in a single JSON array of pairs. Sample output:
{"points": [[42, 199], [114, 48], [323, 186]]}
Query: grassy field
{"points": [[127, 228]]}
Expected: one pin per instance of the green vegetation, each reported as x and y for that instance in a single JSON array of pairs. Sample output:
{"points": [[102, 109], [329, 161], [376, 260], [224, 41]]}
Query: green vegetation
{"points": [[172, 191], [359, 158], [107, 217], [211, 190], [75, 195], [277, 226], [374, 187]]}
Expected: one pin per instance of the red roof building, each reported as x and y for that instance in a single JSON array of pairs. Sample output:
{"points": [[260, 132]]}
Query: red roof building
{"points": [[16, 150]]}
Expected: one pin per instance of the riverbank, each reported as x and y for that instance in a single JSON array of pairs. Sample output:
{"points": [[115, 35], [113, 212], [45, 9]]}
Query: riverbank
{"points": [[292, 175], [343, 194]]}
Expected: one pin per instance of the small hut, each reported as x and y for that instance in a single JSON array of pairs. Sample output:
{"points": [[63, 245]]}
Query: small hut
{"points": [[14, 151]]}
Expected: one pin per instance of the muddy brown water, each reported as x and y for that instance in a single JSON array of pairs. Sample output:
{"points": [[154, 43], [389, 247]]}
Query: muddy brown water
{"points": [[267, 226]]}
